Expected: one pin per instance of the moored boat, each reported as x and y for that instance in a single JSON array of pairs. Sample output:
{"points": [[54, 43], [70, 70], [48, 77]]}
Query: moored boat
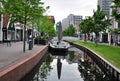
{"points": [[59, 48]]}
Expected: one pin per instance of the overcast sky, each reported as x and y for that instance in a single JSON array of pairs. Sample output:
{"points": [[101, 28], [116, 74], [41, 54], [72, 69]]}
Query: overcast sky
{"points": [[60, 9]]}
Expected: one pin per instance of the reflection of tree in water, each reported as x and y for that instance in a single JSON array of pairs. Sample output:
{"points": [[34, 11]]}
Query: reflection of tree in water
{"points": [[44, 70], [71, 55], [89, 74]]}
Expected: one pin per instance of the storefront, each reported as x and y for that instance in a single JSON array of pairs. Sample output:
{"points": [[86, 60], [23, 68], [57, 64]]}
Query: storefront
{"points": [[19, 33], [11, 31], [4, 30], [0, 34], [0, 27]]}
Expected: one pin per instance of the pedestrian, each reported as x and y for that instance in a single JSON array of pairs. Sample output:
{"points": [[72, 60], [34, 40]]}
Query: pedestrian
{"points": [[30, 38], [112, 41], [30, 42], [9, 40]]}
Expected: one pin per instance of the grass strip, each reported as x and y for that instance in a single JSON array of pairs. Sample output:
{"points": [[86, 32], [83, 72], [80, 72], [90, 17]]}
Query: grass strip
{"points": [[110, 53]]}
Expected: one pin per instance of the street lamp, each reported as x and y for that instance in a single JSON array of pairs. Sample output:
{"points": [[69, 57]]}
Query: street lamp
{"points": [[32, 26], [32, 32]]}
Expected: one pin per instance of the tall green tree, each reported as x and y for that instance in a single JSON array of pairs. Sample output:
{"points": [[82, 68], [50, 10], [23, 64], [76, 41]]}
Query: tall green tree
{"points": [[43, 24], [100, 22], [47, 26], [22, 11], [70, 31], [86, 26]]}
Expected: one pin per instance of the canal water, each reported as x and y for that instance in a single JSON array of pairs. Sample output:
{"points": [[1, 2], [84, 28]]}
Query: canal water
{"points": [[76, 66]]}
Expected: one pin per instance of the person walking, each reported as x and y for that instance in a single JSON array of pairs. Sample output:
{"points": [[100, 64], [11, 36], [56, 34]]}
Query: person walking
{"points": [[9, 40], [30, 42]]}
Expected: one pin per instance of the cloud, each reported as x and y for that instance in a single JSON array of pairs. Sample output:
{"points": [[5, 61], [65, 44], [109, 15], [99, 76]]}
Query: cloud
{"points": [[62, 8]]}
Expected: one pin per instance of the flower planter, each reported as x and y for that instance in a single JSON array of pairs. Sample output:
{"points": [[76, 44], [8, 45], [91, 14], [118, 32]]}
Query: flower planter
{"points": [[40, 41]]}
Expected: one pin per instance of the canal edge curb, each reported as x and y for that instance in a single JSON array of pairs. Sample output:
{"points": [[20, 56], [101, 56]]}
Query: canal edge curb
{"points": [[108, 66], [100, 57]]}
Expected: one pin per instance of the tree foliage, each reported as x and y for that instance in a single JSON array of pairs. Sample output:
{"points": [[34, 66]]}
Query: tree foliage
{"points": [[86, 25], [100, 21], [116, 10], [22, 11], [44, 25], [114, 31], [47, 26], [97, 23], [70, 31]]}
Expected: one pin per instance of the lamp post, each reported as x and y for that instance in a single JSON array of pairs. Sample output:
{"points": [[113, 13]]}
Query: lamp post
{"points": [[32, 27], [32, 32]]}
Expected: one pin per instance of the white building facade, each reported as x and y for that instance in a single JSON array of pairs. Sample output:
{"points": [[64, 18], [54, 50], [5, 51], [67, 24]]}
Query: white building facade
{"points": [[65, 23], [74, 20]]}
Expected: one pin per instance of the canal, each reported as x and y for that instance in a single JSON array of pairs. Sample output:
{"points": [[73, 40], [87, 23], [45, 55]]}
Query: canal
{"points": [[75, 66]]}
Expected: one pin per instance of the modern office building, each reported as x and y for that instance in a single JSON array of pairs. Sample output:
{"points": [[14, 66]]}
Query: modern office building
{"points": [[74, 19], [65, 23], [71, 20], [105, 5]]}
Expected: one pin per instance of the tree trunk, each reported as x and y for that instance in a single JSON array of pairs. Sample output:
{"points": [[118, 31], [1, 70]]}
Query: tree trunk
{"points": [[96, 39], [85, 37], [24, 38]]}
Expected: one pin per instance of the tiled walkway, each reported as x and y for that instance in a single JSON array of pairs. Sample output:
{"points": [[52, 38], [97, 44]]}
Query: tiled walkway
{"points": [[11, 55]]}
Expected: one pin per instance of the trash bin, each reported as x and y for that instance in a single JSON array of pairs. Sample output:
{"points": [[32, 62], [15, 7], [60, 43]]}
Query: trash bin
{"points": [[30, 44]]}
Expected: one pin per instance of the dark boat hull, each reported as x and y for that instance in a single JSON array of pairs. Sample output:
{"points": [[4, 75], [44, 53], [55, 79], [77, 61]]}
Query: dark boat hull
{"points": [[58, 51]]}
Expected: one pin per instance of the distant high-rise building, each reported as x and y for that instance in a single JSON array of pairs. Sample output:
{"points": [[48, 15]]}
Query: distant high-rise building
{"points": [[74, 19], [65, 23], [71, 20], [105, 5]]}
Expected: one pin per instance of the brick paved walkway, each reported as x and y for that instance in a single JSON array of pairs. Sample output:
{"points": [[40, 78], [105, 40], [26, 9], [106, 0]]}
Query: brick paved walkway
{"points": [[11, 55]]}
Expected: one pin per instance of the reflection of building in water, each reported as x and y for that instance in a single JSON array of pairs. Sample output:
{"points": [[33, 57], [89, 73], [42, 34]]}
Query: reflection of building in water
{"points": [[90, 71], [86, 68], [93, 65], [74, 56]]}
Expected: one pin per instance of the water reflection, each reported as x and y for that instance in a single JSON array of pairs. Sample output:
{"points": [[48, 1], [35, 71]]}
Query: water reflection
{"points": [[89, 72], [76, 66], [59, 67], [44, 70]]}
